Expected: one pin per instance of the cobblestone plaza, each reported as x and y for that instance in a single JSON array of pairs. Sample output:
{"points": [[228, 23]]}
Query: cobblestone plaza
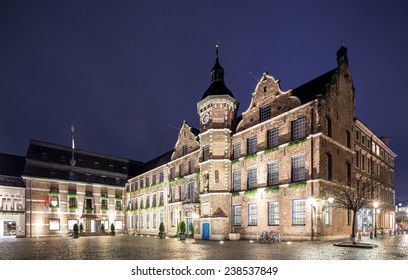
{"points": [[125, 247]]}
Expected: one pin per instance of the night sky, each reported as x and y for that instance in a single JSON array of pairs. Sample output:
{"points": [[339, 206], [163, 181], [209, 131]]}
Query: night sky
{"points": [[127, 73]]}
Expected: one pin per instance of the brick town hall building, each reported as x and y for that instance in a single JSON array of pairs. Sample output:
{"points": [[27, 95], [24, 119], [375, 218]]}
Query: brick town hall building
{"points": [[257, 172], [233, 177]]}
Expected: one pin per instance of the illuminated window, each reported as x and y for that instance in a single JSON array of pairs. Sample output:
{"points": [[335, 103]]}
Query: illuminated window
{"points": [[252, 215], [161, 176], [191, 166], [118, 225], [172, 173], [298, 212], [71, 223], [154, 220], [348, 173], [173, 194], [273, 173], [348, 139], [54, 224], [329, 173], [299, 129], [273, 137], [181, 170], [236, 180], [173, 219], [237, 215], [54, 201], [251, 145], [181, 192], [161, 198], [273, 213], [328, 213], [72, 202], [328, 127], [206, 152], [298, 168], [252, 181], [191, 191], [236, 150]]}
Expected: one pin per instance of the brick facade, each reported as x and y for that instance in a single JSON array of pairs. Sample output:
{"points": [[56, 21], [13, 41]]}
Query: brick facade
{"points": [[259, 172]]}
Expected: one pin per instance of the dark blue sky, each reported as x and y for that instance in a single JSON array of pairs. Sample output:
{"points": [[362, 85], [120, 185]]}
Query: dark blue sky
{"points": [[127, 73]]}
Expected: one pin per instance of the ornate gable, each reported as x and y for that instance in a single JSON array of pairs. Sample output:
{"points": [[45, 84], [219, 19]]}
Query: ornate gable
{"points": [[186, 143], [268, 101]]}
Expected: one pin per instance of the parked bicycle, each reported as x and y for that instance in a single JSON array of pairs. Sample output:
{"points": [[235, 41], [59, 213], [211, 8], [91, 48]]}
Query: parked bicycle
{"points": [[269, 237]]}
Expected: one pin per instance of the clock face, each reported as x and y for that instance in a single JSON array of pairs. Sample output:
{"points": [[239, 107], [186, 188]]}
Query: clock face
{"points": [[206, 118]]}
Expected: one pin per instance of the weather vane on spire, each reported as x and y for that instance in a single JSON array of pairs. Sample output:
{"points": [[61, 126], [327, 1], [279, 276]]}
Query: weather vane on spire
{"points": [[73, 160], [217, 45]]}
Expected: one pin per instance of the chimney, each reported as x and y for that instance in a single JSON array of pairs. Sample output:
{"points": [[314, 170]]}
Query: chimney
{"points": [[386, 140]]}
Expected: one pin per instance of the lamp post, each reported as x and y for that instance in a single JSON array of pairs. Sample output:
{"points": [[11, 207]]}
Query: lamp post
{"points": [[375, 204]]}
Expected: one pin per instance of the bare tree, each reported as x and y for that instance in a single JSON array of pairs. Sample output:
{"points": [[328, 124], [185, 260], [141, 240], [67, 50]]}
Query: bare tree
{"points": [[353, 198]]}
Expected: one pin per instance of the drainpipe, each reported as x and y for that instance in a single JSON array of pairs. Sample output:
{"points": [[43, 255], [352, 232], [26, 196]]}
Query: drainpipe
{"points": [[311, 166], [31, 208]]}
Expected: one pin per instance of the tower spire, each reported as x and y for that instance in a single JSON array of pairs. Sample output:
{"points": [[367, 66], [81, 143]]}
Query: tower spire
{"points": [[217, 73]]}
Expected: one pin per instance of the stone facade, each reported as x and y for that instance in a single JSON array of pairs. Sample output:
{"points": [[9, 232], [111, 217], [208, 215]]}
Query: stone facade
{"points": [[264, 170], [65, 186], [12, 196]]}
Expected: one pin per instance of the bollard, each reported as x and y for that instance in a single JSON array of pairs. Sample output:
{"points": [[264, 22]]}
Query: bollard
{"points": [[359, 236], [390, 232], [371, 234], [382, 233]]}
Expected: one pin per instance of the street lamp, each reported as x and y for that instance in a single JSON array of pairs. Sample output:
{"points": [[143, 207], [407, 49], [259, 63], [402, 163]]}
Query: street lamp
{"points": [[375, 204]]}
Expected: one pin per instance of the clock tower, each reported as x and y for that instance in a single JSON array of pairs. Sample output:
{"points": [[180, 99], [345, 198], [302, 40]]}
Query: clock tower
{"points": [[217, 110]]}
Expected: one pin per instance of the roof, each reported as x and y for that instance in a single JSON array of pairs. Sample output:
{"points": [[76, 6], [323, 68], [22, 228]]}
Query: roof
{"points": [[217, 88], [310, 90], [195, 131], [11, 169], [11, 165], [46, 160], [159, 161]]}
